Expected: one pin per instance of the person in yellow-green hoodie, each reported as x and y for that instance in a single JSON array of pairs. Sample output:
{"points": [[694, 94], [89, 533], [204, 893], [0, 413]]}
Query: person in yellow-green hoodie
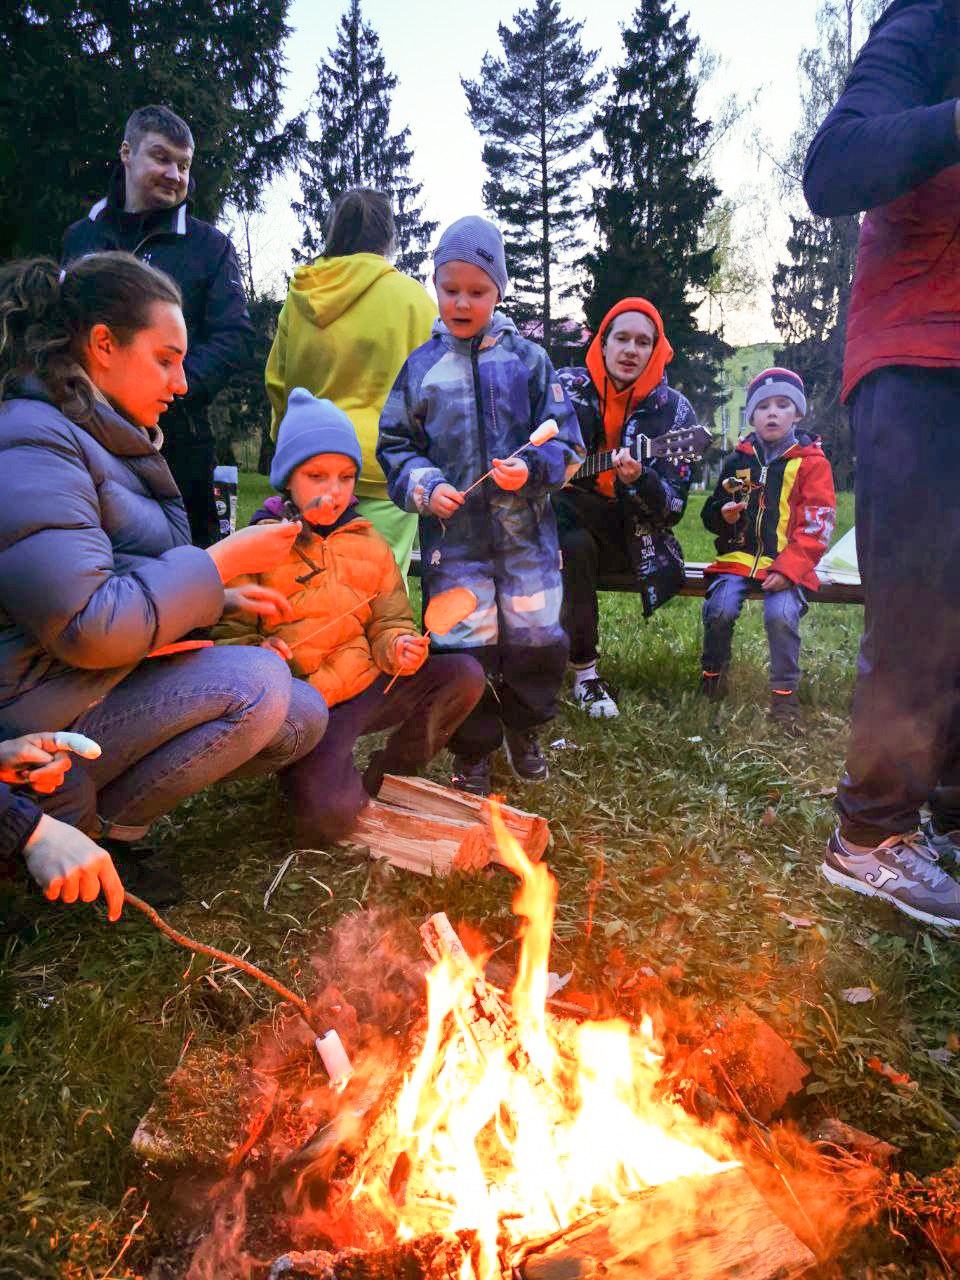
{"points": [[349, 322]]}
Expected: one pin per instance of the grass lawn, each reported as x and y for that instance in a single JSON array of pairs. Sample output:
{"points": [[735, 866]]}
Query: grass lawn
{"points": [[711, 827]]}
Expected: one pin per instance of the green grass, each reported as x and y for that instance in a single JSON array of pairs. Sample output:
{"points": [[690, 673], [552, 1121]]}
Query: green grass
{"points": [[711, 829]]}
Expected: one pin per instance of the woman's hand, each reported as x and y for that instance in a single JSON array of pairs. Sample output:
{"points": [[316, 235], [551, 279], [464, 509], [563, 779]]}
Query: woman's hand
{"points": [[628, 469], [444, 501], [42, 759], [510, 474], [256, 549], [731, 511], [270, 604], [411, 653], [67, 865], [278, 646], [775, 582]]}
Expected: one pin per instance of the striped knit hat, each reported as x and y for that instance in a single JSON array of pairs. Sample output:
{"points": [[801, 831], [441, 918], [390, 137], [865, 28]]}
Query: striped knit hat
{"points": [[776, 382]]}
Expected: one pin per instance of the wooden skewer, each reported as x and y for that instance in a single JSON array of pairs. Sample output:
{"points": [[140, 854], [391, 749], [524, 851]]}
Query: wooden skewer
{"points": [[426, 636], [340, 618], [202, 949]]}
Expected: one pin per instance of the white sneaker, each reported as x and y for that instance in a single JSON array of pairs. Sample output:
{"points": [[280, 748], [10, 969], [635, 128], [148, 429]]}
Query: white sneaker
{"points": [[593, 697]]}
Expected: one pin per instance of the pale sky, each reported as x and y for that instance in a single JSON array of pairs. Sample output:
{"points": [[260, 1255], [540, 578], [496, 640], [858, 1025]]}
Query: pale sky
{"points": [[429, 44]]}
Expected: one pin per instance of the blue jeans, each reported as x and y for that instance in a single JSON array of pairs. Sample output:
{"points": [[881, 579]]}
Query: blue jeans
{"points": [[175, 725], [782, 611]]}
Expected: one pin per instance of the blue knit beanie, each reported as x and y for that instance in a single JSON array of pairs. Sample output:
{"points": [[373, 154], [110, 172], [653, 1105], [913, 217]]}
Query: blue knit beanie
{"points": [[311, 426], [776, 382], [478, 241]]}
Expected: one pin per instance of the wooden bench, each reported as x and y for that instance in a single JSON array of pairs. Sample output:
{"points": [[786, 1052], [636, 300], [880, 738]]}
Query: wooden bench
{"points": [[696, 584]]}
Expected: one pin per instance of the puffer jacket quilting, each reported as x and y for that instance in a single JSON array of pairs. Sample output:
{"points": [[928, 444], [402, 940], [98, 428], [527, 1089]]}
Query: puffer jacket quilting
{"points": [[96, 566], [457, 405]]}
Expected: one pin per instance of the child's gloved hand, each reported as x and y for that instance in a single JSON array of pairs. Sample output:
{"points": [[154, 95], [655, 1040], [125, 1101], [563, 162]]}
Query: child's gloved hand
{"points": [[268, 603], [411, 653], [445, 500], [510, 474], [731, 511], [42, 759], [67, 865], [278, 646], [775, 582]]}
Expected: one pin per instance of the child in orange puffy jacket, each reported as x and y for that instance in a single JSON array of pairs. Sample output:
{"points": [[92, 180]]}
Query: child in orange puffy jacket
{"points": [[347, 628]]}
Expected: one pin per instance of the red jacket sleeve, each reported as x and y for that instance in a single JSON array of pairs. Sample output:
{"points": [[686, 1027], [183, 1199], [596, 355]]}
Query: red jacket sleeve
{"points": [[811, 522]]}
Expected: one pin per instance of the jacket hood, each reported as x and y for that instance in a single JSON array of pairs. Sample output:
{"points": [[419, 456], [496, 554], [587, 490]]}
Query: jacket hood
{"points": [[807, 443], [652, 375], [323, 290], [498, 326]]}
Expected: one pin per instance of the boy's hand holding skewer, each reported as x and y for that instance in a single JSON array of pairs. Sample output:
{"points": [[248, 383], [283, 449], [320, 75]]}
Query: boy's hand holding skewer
{"points": [[510, 473], [411, 653], [444, 501]]}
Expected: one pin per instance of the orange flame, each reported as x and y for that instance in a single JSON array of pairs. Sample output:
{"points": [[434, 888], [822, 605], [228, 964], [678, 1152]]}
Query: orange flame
{"points": [[519, 1140]]}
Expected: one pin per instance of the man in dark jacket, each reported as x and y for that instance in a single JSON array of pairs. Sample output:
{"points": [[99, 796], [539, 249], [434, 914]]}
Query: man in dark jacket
{"points": [[891, 146], [146, 213]]}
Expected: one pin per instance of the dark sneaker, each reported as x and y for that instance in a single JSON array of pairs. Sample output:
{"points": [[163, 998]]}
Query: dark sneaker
{"points": [[904, 870], [713, 685], [593, 697], [785, 714], [525, 755], [945, 844], [472, 774], [146, 873]]}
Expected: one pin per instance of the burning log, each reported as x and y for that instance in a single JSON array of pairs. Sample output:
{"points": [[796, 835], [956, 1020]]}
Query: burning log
{"points": [[529, 830], [420, 842], [698, 1228], [747, 1064]]}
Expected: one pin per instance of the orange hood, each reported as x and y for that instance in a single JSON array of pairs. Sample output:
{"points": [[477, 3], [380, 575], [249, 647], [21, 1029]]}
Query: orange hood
{"points": [[617, 404]]}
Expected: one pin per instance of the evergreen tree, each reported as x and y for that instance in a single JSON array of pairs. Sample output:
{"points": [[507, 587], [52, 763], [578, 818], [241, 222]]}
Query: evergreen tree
{"points": [[656, 198], [533, 107], [811, 291], [355, 148], [71, 73]]}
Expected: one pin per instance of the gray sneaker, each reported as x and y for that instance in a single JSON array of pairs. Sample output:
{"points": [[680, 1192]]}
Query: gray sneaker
{"points": [[945, 844], [904, 870]]}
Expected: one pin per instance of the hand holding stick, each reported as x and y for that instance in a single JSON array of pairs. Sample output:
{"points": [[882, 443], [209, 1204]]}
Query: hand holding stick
{"points": [[546, 431]]}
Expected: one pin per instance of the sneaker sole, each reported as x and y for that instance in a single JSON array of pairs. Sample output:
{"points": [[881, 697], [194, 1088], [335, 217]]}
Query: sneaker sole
{"points": [[523, 777], [598, 713], [843, 881]]}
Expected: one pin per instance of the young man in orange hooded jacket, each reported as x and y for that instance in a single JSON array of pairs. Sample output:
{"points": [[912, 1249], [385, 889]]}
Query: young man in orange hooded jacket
{"points": [[621, 517]]}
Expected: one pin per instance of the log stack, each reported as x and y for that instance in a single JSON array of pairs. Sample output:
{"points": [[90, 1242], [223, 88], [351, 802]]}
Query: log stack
{"points": [[423, 827]]}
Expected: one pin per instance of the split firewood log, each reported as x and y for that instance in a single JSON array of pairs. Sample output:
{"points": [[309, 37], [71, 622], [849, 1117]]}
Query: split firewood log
{"points": [[530, 830], [425, 843]]}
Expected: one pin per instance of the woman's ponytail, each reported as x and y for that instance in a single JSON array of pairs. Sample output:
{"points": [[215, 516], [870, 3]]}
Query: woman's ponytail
{"points": [[360, 221]]}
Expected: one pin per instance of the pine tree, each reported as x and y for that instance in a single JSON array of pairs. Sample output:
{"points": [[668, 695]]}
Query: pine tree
{"points": [[811, 291], [655, 197], [355, 148], [534, 108], [71, 73]]}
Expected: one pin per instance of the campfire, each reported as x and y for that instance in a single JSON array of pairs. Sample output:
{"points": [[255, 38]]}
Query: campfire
{"points": [[491, 1138]]}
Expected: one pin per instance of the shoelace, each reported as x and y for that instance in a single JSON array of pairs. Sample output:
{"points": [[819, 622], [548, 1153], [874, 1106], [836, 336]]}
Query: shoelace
{"points": [[595, 690], [913, 852]]}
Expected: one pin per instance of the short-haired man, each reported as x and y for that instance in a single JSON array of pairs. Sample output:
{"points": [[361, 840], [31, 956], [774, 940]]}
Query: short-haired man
{"points": [[146, 213]]}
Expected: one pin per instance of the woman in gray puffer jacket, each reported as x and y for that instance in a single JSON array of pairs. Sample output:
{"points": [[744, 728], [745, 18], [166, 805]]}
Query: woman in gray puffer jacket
{"points": [[96, 568]]}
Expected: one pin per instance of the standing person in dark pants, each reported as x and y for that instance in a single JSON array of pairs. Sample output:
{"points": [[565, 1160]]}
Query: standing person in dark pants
{"points": [[891, 146], [146, 213]]}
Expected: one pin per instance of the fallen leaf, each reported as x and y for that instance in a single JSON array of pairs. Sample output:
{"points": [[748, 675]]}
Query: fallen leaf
{"points": [[769, 816], [857, 995], [797, 922], [895, 1077], [555, 983], [953, 1042], [827, 791]]}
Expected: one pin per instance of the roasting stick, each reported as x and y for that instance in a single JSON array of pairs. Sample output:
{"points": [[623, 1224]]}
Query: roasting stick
{"points": [[339, 618], [546, 431]]}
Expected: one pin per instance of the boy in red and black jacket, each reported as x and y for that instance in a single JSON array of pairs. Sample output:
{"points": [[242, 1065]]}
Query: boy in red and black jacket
{"points": [[773, 511]]}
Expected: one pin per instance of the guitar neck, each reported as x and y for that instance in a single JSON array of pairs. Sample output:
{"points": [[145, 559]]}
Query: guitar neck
{"points": [[595, 463]]}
